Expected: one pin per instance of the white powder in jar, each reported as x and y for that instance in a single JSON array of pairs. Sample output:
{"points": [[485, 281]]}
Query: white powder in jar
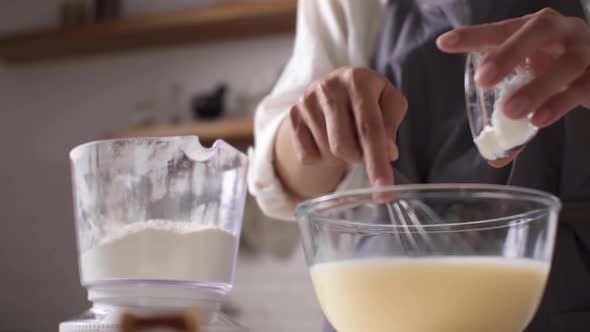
{"points": [[503, 134], [162, 250]]}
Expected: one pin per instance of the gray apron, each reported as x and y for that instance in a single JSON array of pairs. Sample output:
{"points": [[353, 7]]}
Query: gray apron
{"points": [[436, 145]]}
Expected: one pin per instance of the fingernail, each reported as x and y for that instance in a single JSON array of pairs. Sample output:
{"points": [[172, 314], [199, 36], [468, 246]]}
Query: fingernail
{"points": [[382, 196], [449, 39], [380, 182], [518, 106], [393, 152], [487, 73]]}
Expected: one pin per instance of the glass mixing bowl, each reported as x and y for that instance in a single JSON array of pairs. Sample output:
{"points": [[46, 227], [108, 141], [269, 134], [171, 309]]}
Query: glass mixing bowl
{"points": [[458, 258]]}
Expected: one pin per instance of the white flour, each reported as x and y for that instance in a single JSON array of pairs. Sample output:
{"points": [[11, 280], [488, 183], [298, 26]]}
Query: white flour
{"points": [[162, 250], [503, 133]]}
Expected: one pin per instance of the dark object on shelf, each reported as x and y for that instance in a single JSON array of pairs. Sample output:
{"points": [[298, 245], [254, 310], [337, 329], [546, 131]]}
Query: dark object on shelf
{"points": [[209, 106], [74, 12], [105, 10]]}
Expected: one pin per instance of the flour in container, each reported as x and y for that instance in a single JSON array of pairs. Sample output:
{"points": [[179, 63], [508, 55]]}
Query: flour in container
{"points": [[162, 250], [503, 134]]}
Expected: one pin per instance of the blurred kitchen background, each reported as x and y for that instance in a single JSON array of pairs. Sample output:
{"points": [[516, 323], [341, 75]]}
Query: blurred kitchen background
{"points": [[73, 71]]}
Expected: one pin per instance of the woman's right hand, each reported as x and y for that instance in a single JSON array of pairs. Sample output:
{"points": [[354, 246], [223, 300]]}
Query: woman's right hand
{"points": [[349, 116]]}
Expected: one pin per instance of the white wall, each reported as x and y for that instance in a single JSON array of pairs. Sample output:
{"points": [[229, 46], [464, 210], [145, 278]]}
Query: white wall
{"points": [[45, 110], [19, 15]]}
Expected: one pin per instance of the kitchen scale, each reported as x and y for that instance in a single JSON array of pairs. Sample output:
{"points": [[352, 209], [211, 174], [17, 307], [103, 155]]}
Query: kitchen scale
{"points": [[157, 223]]}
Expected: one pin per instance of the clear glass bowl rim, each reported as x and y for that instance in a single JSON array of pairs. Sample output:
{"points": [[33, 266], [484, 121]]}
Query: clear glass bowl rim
{"points": [[414, 191]]}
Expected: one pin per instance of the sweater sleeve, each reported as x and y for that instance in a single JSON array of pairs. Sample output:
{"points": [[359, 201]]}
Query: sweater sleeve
{"points": [[329, 34]]}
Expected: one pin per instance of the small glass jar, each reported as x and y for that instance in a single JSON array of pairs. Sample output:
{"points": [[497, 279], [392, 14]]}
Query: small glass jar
{"points": [[496, 135]]}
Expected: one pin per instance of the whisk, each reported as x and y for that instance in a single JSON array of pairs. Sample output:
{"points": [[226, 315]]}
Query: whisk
{"points": [[412, 217], [407, 215]]}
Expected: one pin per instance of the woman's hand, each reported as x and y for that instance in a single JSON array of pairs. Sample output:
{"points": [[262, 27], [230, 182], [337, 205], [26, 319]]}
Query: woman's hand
{"points": [[556, 46], [349, 116]]}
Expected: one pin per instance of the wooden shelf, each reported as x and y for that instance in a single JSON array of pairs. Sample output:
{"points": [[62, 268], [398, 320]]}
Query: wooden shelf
{"points": [[235, 131], [228, 20]]}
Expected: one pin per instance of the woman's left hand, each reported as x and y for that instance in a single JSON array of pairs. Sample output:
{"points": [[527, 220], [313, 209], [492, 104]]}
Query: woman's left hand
{"points": [[558, 49]]}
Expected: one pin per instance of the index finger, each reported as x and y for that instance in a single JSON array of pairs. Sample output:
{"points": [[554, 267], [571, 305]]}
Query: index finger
{"points": [[478, 37], [371, 134]]}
